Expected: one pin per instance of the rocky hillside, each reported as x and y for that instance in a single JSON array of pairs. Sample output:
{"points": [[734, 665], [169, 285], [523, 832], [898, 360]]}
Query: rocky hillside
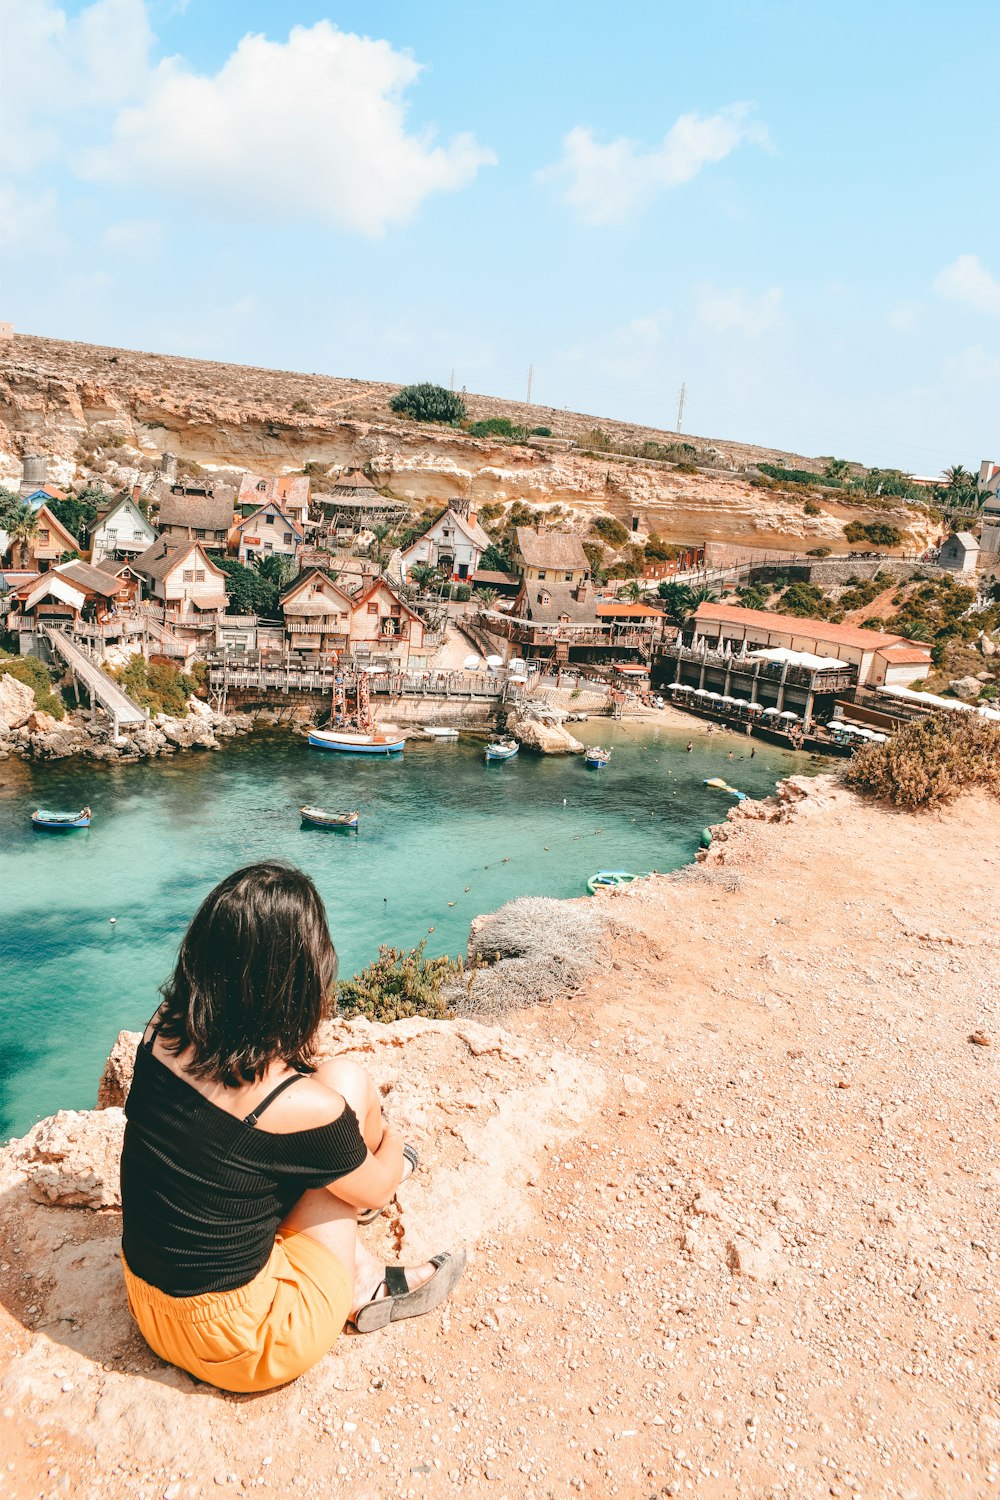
{"points": [[60, 398]]}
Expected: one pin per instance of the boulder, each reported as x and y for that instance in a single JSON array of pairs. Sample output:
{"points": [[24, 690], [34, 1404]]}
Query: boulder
{"points": [[17, 701], [759, 1262], [966, 688], [55, 746], [116, 1080], [988, 646], [42, 723], [550, 739], [71, 1159]]}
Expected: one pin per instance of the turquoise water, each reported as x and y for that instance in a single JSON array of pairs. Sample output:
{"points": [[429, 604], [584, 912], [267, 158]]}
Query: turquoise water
{"points": [[437, 826]]}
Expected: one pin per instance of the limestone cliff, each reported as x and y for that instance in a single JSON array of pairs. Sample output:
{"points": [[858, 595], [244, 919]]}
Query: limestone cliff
{"points": [[56, 395]]}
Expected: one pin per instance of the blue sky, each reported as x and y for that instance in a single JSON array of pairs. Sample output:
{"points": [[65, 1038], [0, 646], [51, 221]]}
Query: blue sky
{"points": [[792, 208]]}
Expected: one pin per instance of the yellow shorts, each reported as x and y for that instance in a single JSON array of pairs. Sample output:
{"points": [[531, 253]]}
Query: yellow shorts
{"points": [[260, 1335]]}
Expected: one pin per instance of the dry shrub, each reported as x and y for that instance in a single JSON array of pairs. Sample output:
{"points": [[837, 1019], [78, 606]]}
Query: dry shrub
{"points": [[929, 762], [533, 949]]}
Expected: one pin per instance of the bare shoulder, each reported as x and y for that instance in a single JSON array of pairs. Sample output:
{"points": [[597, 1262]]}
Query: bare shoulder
{"points": [[307, 1104]]}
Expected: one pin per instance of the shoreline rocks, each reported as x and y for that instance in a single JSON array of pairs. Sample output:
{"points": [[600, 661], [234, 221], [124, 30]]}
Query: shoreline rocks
{"points": [[39, 736]]}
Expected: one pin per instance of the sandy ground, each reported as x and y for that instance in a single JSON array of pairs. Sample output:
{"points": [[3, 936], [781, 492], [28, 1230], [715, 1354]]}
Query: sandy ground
{"points": [[732, 1212]]}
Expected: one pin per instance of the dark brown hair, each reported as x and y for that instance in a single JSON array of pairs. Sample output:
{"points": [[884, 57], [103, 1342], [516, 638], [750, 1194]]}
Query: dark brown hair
{"points": [[253, 978]]}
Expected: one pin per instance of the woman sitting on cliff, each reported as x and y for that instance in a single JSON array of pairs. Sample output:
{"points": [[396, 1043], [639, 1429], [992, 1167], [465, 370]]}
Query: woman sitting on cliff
{"points": [[239, 1241]]}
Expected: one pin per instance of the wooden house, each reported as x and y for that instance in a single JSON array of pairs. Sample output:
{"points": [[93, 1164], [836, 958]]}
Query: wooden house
{"points": [[550, 556], [184, 580], [383, 625], [51, 542], [196, 516], [317, 614], [266, 532], [120, 531], [452, 543], [288, 491], [69, 594]]}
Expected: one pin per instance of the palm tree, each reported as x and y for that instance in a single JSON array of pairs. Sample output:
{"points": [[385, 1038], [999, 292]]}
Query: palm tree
{"points": [[632, 590], [487, 597], [678, 599], [22, 528], [380, 532], [421, 574]]}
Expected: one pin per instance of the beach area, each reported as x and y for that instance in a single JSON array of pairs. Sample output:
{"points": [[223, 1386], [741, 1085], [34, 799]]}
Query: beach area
{"points": [[731, 1211]]}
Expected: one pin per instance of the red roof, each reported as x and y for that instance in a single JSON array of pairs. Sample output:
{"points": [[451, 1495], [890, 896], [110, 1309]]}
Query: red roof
{"points": [[630, 611], [905, 653], [812, 630]]}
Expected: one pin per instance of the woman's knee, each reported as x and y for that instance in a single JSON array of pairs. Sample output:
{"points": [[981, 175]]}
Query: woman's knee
{"points": [[351, 1081]]}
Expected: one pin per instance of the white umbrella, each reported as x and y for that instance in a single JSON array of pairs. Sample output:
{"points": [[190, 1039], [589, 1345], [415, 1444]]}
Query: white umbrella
{"points": [[680, 687], [754, 708], [769, 710], [494, 661], [702, 693], [787, 714], [471, 664]]}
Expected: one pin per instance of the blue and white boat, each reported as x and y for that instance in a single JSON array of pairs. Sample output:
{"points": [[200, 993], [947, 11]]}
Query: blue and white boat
{"points": [[353, 743], [596, 757], [501, 750], [60, 822]]}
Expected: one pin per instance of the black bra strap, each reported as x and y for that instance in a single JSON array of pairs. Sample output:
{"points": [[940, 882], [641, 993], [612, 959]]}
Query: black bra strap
{"points": [[285, 1083], [156, 1021]]}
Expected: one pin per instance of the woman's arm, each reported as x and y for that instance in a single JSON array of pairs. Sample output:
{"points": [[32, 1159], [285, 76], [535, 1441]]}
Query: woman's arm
{"points": [[373, 1183]]}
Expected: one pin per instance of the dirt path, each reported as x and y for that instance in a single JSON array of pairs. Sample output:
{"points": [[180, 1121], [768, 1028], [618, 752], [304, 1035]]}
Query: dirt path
{"points": [[733, 1208]]}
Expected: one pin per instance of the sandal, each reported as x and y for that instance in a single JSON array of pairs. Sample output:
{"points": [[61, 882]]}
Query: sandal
{"points": [[403, 1302], [369, 1215]]}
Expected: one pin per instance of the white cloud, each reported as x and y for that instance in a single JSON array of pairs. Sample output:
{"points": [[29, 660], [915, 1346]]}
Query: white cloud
{"points": [[57, 66], [28, 220], [607, 183], [905, 317], [312, 128], [726, 311], [968, 280]]}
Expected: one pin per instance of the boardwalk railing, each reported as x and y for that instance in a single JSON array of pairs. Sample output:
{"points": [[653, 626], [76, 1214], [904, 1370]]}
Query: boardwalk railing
{"points": [[230, 675], [827, 680]]}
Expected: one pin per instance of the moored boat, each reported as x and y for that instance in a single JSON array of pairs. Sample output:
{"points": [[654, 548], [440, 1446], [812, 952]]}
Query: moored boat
{"points": [[723, 786], [355, 742], [501, 750], [440, 732], [609, 880], [596, 757], [60, 822], [320, 819]]}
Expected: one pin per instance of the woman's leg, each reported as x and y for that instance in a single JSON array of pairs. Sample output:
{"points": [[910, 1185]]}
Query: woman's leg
{"points": [[329, 1219]]}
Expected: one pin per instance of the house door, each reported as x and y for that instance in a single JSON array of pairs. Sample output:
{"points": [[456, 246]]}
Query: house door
{"points": [[463, 570]]}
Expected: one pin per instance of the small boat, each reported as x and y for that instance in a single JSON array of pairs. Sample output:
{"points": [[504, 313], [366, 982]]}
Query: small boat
{"points": [[723, 786], [320, 819], [354, 743], [609, 880], [501, 749], [595, 757], [440, 732], [59, 822]]}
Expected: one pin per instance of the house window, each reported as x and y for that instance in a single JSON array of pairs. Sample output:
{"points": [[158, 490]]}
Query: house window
{"points": [[569, 578], [269, 520], [268, 546], [200, 532], [189, 575], [287, 538], [262, 486], [541, 573], [43, 536], [373, 609], [199, 575]]}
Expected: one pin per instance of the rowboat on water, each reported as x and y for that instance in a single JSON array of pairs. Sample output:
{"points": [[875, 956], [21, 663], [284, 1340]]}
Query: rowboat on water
{"points": [[609, 880], [501, 750], [355, 743], [320, 819], [595, 757], [59, 822], [440, 732]]}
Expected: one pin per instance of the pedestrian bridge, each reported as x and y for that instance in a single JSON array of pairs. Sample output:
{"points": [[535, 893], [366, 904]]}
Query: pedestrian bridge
{"points": [[102, 689]]}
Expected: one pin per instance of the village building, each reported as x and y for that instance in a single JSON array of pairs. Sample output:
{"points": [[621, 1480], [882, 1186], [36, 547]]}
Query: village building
{"points": [[557, 622], [317, 613], [125, 571], [69, 596], [322, 617], [960, 553], [288, 491], [728, 628], [184, 580], [550, 556], [51, 542], [196, 515], [353, 505], [120, 530], [42, 496], [453, 543], [266, 532]]}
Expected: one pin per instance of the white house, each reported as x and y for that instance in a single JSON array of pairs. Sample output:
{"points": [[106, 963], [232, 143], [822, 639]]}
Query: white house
{"points": [[122, 532], [184, 579], [960, 553], [453, 543], [268, 531]]}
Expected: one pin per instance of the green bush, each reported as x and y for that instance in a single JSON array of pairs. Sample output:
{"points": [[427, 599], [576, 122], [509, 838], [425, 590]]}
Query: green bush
{"points": [[812, 509], [798, 476], [819, 552], [496, 560], [753, 597], [399, 984], [249, 591], [879, 533], [806, 600], [929, 762], [429, 403], [463, 593], [36, 675], [157, 685], [541, 432], [497, 427], [610, 530]]}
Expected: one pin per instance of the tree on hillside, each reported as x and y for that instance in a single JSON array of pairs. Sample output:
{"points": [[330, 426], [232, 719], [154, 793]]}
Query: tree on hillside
{"points": [[496, 560], [250, 593], [9, 503], [21, 525], [429, 403], [837, 468], [679, 601], [632, 591], [79, 512], [275, 567]]}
